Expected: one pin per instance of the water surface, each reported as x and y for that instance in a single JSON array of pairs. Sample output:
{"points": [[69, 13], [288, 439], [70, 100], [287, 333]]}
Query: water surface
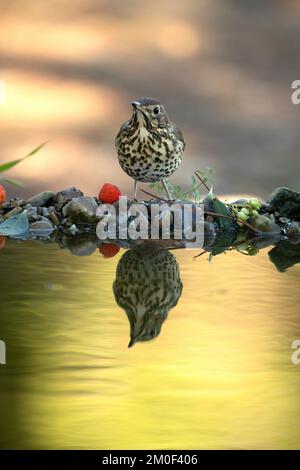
{"points": [[219, 374]]}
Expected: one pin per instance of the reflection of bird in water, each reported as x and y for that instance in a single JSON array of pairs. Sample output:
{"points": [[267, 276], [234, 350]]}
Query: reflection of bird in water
{"points": [[147, 286]]}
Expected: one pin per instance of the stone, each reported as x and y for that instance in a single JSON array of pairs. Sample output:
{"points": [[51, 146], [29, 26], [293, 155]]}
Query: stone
{"points": [[45, 219], [13, 212], [265, 207], [286, 202], [16, 202], [54, 219], [85, 248], [285, 255], [284, 220], [5, 205], [73, 229], [293, 229], [81, 210], [265, 225], [31, 212], [45, 212], [263, 241], [65, 196], [15, 226], [41, 199], [41, 228]]}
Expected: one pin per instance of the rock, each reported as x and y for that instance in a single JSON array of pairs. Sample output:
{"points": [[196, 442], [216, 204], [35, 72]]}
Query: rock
{"points": [[293, 229], [45, 212], [265, 225], [263, 241], [5, 205], [15, 226], [286, 202], [85, 248], [240, 201], [284, 220], [13, 212], [209, 234], [65, 196], [41, 228], [41, 199], [44, 219], [271, 217], [81, 210], [265, 208], [31, 212], [284, 255], [73, 229], [54, 219], [15, 202]]}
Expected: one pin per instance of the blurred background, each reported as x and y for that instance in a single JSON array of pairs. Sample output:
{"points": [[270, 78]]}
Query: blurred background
{"points": [[223, 69]]}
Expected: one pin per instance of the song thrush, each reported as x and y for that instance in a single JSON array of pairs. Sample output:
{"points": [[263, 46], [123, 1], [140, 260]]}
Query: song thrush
{"points": [[149, 145], [147, 286]]}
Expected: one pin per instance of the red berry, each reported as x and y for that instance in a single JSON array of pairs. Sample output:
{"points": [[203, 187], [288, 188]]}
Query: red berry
{"points": [[108, 250], [2, 194], [2, 242], [109, 193]]}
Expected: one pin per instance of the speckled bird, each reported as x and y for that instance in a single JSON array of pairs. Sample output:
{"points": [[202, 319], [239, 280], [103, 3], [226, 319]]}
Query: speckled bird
{"points": [[149, 145], [147, 286]]}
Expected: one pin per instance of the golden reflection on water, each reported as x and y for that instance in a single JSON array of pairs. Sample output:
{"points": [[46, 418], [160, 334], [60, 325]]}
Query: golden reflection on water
{"points": [[219, 375]]}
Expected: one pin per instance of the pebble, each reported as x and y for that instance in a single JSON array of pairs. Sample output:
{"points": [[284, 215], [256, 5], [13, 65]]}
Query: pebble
{"points": [[15, 211], [53, 217], [85, 248], [41, 228], [293, 229], [265, 225], [32, 212], [73, 229], [81, 209], [45, 212], [41, 199], [284, 220], [65, 196]]}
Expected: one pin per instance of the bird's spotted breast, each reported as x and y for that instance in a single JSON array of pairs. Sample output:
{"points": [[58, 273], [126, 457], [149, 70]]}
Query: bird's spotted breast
{"points": [[147, 155]]}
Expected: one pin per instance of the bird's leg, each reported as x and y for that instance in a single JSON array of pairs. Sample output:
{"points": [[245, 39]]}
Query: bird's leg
{"points": [[135, 190], [167, 189]]}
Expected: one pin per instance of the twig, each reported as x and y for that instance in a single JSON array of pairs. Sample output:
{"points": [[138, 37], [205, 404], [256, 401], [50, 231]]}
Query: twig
{"points": [[202, 181], [208, 212], [153, 195], [232, 218]]}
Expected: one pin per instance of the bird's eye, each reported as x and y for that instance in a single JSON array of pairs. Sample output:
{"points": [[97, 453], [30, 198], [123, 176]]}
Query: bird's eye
{"points": [[156, 110]]}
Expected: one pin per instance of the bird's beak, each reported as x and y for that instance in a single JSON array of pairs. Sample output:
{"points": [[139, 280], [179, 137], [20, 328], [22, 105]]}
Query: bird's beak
{"points": [[136, 104], [132, 341]]}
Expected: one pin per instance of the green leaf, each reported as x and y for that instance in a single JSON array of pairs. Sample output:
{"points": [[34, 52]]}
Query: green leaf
{"points": [[9, 165], [220, 208], [15, 226], [222, 242], [13, 182]]}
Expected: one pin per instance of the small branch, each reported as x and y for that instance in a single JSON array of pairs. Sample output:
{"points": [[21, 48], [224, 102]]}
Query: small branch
{"points": [[216, 214], [153, 195], [232, 218], [202, 181]]}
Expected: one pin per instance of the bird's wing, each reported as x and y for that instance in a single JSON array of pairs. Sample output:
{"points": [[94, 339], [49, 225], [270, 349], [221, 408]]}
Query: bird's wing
{"points": [[123, 128], [178, 135]]}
